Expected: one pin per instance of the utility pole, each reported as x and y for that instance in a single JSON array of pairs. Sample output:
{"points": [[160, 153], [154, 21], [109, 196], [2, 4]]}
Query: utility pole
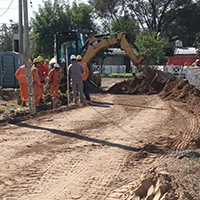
{"points": [[20, 28], [26, 57]]}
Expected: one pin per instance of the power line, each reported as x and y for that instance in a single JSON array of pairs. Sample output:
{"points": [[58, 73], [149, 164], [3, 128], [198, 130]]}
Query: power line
{"points": [[7, 8]]}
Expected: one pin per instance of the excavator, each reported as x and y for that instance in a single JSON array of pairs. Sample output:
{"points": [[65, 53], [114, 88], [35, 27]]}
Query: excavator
{"points": [[72, 43]]}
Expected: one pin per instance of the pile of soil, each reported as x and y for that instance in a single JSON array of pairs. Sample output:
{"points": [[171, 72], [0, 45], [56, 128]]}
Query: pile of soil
{"points": [[155, 184], [170, 89], [8, 94]]}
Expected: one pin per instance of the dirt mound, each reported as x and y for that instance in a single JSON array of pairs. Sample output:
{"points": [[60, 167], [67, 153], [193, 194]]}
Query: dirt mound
{"points": [[170, 89], [180, 90], [8, 94], [137, 85], [156, 185]]}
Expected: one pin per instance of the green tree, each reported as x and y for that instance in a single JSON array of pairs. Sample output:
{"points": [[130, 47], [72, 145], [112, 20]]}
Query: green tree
{"points": [[6, 36], [186, 23], [171, 17], [126, 24], [152, 14], [51, 18], [57, 17], [82, 19], [152, 47], [111, 13]]}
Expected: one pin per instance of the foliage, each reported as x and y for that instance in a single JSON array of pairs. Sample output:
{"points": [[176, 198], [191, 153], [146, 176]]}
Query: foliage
{"points": [[105, 11], [126, 24], [50, 19], [82, 19], [6, 35], [57, 17], [151, 14], [111, 15], [117, 75], [197, 43], [170, 17], [152, 47], [186, 23]]}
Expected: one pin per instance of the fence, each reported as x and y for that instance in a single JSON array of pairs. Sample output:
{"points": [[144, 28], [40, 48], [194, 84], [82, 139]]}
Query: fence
{"points": [[109, 69], [190, 73]]}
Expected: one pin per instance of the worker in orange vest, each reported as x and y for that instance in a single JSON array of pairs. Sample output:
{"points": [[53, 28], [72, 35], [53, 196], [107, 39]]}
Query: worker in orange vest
{"points": [[84, 76], [36, 80], [187, 63], [43, 73], [54, 80], [20, 75], [46, 64], [196, 64]]}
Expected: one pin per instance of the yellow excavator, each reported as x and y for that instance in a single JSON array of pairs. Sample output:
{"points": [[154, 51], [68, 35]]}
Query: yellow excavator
{"points": [[69, 43], [97, 43]]}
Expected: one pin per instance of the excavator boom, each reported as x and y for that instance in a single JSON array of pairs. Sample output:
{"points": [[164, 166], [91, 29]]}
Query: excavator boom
{"points": [[95, 44]]}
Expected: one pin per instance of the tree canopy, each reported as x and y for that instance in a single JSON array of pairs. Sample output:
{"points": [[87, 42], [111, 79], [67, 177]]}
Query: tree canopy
{"points": [[58, 17], [6, 36], [171, 17], [152, 47], [127, 25]]}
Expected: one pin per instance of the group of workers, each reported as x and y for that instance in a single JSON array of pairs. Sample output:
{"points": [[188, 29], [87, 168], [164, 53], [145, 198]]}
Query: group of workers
{"points": [[195, 64], [42, 74]]}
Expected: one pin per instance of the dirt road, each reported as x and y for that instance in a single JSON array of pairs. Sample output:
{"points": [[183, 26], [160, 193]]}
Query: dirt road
{"points": [[119, 147]]}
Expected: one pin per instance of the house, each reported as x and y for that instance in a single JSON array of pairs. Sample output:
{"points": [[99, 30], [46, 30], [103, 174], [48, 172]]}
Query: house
{"points": [[116, 56], [182, 54]]}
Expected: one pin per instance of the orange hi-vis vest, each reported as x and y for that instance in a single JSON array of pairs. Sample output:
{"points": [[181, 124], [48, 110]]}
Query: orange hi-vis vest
{"points": [[53, 77], [35, 76], [20, 74], [46, 64], [86, 73]]}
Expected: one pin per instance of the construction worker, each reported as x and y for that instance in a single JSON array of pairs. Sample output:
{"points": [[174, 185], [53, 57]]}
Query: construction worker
{"points": [[43, 73], [52, 62], [196, 64], [75, 74], [84, 76], [36, 80], [54, 80], [20, 75], [187, 63], [46, 64]]}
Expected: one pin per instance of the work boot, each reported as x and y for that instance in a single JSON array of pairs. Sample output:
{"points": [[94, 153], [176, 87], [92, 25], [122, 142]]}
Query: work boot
{"points": [[23, 104], [41, 101], [38, 108]]}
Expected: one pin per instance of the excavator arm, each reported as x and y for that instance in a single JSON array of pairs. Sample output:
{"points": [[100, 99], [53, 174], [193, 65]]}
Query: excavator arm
{"points": [[96, 43]]}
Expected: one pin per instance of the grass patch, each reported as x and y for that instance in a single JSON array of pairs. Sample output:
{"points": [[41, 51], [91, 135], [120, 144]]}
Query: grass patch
{"points": [[5, 106], [117, 75], [2, 110]]}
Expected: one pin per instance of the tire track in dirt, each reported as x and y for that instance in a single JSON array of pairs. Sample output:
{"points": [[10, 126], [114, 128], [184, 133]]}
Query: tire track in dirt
{"points": [[181, 137], [82, 172], [188, 135]]}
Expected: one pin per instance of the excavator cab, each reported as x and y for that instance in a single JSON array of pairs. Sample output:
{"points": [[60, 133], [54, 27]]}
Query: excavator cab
{"points": [[70, 42], [66, 44]]}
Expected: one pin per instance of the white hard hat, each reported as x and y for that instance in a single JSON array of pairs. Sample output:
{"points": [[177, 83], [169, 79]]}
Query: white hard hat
{"points": [[56, 65], [72, 57], [197, 60], [52, 61]]}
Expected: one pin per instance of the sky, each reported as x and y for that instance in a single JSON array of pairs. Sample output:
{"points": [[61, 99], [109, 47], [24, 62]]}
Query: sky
{"points": [[9, 9]]}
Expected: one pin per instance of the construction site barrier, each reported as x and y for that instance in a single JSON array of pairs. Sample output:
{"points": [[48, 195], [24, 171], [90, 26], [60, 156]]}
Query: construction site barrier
{"points": [[191, 73], [109, 69]]}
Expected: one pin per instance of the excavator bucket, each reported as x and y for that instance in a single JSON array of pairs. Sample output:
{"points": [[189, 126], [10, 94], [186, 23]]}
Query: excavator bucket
{"points": [[150, 74]]}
